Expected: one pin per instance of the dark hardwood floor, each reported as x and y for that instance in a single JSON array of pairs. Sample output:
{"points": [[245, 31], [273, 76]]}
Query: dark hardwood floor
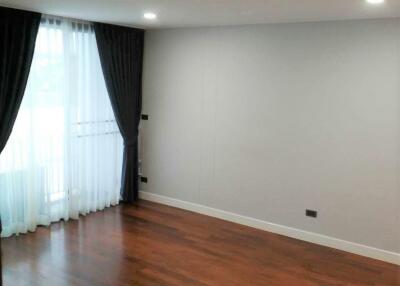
{"points": [[155, 245]]}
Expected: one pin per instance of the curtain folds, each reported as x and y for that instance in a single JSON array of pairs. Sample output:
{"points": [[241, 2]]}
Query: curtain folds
{"points": [[64, 156], [121, 56]]}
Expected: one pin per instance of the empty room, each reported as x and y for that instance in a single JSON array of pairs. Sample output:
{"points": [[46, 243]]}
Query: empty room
{"points": [[200, 142]]}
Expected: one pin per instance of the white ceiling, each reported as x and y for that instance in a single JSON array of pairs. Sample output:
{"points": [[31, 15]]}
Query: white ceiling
{"points": [[189, 13]]}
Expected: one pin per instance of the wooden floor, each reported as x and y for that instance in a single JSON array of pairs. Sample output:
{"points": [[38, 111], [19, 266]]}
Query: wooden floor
{"points": [[151, 244]]}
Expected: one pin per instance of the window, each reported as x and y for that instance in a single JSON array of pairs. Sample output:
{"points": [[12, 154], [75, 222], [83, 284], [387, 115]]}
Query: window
{"points": [[64, 155]]}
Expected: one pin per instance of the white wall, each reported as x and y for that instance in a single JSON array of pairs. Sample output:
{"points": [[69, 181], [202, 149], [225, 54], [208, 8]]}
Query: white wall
{"points": [[268, 120]]}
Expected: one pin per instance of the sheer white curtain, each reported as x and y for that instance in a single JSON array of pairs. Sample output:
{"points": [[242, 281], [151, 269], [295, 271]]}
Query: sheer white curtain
{"points": [[64, 155]]}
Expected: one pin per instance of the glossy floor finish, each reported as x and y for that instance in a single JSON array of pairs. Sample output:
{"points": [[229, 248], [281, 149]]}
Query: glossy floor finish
{"points": [[152, 244]]}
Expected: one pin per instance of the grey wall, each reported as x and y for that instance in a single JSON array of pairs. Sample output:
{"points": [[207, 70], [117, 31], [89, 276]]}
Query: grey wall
{"points": [[268, 120]]}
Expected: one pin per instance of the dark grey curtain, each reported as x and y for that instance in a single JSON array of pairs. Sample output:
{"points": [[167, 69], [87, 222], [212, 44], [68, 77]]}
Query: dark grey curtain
{"points": [[121, 56], [18, 31]]}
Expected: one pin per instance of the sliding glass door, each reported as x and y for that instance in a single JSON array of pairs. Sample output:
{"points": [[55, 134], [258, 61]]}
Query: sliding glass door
{"points": [[64, 155]]}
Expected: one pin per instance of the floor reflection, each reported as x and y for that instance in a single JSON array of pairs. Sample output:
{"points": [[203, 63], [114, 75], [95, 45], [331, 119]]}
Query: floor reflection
{"points": [[56, 255]]}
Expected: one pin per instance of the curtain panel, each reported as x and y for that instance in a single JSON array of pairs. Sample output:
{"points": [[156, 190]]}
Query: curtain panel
{"points": [[121, 56], [18, 31]]}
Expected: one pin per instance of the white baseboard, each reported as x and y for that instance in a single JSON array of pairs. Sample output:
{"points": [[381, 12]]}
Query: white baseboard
{"points": [[351, 247]]}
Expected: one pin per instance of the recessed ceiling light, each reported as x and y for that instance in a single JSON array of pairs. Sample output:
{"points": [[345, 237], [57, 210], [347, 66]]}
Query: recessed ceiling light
{"points": [[152, 16], [375, 1]]}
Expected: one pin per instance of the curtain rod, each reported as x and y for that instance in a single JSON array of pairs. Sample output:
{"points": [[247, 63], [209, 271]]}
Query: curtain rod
{"points": [[15, 7]]}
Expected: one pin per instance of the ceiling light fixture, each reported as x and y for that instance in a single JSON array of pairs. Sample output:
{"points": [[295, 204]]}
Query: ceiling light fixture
{"points": [[150, 16], [375, 2]]}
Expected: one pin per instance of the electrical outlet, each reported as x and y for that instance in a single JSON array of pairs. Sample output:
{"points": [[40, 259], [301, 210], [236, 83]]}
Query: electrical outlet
{"points": [[311, 213], [145, 117], [143, 179]]}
